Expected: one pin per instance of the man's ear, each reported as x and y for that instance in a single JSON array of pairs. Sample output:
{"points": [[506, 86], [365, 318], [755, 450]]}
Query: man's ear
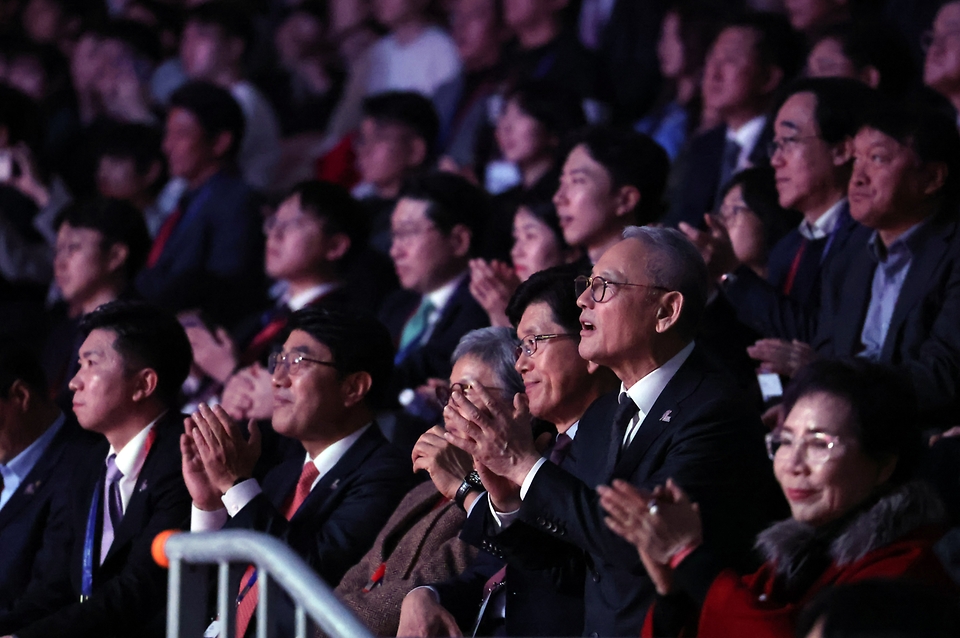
{"points": [[146, 384], [153, 172], [21, 396], [870, 76], [337, 247], [936, 174], [222, 143], [117, 256], [460, 238], [842, 152], [774, 78], [628, 198], [355, 387], [668, 310]]}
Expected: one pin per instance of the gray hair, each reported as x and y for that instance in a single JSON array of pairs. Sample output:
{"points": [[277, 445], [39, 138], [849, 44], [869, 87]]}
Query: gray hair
{"points": [[496, 347], [675, 263]]}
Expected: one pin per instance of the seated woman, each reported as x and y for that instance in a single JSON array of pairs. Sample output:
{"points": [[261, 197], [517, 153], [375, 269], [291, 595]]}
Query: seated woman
{"points": [[844, 458], [420, 544], [538, 244]]}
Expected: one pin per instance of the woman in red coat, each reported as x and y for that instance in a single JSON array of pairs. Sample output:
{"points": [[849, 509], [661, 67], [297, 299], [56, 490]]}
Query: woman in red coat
{"points": [[843, 457]]}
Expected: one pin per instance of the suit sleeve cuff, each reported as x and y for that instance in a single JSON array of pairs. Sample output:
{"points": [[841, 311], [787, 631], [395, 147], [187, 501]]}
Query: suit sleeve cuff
{"points": [[528, 479], [204, 521], [239, 495]]}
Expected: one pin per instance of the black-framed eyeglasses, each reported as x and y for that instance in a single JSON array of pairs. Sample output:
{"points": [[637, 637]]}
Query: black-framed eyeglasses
{"points": [[292, 362], [787, 144], [598, 286], [528, 344]]}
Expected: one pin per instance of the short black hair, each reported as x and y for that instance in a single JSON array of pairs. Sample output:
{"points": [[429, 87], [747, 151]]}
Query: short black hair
{"points": [[631, 159], [882, 607], [840, 103], [141, 143], [556, 108], [231, 17], [931, 134], [20, 363], [778, 43], [405, 108], [545, 210], [118, 221], [357, 342], [554, 287], [214, 108], [759, 188], [883, 403], [147, 337], [338, 209], [880, 45], [451, 200]]}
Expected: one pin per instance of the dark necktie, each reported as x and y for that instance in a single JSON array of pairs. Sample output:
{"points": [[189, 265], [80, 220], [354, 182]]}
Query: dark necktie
{"points": [[728, 166], [560, 448], [625, 412], [113, 511]]}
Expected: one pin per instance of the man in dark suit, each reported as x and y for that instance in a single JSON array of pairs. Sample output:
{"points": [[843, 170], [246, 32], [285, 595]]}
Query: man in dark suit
{"points": [[329, 503], [207, 252], [812, 160], [105, 582], [750, 59], [39, 448], [434, 227], [674, 417]]}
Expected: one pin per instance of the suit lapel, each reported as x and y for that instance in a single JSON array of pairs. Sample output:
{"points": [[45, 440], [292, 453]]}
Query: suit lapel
{"points": [[917, 283], [855, 296], [37, 478], [666, 409], [450, 309]]}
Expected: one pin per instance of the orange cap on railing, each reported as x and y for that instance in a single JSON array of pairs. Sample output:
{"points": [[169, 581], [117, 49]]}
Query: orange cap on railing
{"points": [[157, 549]]}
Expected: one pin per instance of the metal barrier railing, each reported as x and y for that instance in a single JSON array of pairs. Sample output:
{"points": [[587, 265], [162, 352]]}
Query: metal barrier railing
{"points": [[279, 568]]}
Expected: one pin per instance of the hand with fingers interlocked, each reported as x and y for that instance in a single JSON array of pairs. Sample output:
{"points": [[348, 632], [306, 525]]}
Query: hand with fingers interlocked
{"points": [[221, 447], [499, 439]]}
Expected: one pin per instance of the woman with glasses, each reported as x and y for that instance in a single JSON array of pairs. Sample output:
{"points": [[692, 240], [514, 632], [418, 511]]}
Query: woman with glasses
{"points": [[844, 458]]}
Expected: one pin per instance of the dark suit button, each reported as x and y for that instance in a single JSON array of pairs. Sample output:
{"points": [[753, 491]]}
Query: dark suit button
{"points": [[594, 635], [540, 521], [596, 577]]}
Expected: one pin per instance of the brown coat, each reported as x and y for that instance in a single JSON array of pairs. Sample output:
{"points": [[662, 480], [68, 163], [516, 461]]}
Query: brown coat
{"points": [[419, 545]]}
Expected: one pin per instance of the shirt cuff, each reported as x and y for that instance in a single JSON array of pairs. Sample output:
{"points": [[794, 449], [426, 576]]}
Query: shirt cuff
{"points": [[239, 495], [528, 479], [474, 503], [502, 519], [204, 521]]}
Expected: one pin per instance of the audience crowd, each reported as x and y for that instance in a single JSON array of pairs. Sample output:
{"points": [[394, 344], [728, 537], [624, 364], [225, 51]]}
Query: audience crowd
{"points": [[509, 317]]}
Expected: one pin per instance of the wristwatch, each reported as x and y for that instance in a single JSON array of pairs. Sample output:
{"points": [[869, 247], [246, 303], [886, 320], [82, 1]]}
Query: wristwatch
{"points": [[471, 483]]}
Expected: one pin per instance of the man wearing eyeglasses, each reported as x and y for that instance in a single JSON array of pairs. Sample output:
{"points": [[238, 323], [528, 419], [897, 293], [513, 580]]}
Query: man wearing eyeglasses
{"points": [[812, 156], [674, 416], [327, 380]]}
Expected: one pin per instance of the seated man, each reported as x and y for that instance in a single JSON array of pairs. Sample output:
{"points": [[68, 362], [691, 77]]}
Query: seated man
{"points": [[394, 143], [313, 236], [101, 245], [560, 386], [39, 448], [131, 166], [674, 416], [104, 582], [207, 252], [333, 367], [434, 229], [610, 180]]}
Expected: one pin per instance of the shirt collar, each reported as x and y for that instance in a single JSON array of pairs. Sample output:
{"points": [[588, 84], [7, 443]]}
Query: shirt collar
{"points": [[131, 458], [907, 242], [305, 298], [335, 451], [824, 225], [441, 295], [572, 430], [746, 136], [646, 391], [22, 463]]}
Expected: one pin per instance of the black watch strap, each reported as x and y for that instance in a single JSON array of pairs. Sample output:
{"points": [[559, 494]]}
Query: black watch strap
{"points": [[471, 483]]}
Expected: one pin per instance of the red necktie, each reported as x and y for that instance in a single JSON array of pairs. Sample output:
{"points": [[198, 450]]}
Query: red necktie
{"points": [[248, 603], [794, 267], [163, 235]]}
